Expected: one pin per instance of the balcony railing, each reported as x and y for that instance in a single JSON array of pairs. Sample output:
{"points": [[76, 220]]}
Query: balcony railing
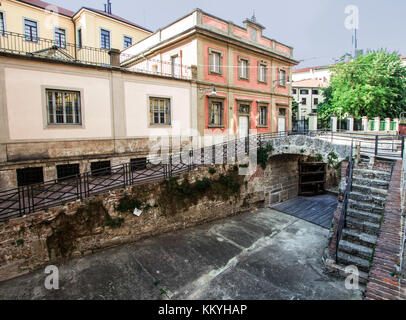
{"points": [[27, 45], [159, 67]]}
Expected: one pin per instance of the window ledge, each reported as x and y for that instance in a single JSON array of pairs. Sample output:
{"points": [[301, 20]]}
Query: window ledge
{"points": [[215, 126], [159, 125], [64, 126], [262, 126]]}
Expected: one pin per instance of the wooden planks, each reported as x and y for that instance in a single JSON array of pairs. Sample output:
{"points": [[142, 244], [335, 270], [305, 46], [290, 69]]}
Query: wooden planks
{"points": [[318, 210]]}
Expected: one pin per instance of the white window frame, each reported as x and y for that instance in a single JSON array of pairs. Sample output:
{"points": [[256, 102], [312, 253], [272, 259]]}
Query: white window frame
{"points": [[76, 114], [263, 123], [243, 69], [215, 61], [282, 79], [262, 72]]}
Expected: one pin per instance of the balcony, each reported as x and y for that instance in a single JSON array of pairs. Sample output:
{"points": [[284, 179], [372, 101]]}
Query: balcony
{"points": [[31, 46], [21, 44]]}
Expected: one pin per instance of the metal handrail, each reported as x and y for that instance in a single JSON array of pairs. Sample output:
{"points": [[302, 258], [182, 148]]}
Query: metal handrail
{"points": [[27, 199], [343, 214]]}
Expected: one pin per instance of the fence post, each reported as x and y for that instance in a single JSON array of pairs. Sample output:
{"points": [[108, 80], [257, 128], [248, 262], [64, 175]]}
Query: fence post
{"points": [[170, 166], [213, 154], [235, 150], [376, 145], [403, 146]]}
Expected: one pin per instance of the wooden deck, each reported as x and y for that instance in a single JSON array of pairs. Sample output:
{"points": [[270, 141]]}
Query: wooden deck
{"points": [[318, 210]]}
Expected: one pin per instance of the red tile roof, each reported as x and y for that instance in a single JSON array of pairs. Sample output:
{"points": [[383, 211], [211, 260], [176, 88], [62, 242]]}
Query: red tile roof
{"points": [[43, 5]]}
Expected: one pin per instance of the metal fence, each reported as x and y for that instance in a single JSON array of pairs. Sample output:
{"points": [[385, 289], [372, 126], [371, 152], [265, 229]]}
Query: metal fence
{"points": [[28, 199], [21, 44]]}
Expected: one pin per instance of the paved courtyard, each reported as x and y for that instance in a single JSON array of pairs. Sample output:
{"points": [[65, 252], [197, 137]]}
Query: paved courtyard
{"points": [[260, 255]]}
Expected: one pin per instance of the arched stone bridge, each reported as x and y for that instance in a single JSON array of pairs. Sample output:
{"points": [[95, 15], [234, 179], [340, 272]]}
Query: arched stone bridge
{"points": [[310, 146]]}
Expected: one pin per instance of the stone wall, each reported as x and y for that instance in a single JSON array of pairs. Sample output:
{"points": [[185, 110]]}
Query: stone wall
{"points": [[81, 228]]}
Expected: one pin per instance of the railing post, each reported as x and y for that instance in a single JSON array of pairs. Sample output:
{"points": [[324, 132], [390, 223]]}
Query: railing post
{"points": [[213, 154], [376, 144], [170, 166], [403, 146]]}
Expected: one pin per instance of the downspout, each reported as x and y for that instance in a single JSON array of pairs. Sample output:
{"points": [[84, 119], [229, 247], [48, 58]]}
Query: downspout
{"points": [[74, 37]]}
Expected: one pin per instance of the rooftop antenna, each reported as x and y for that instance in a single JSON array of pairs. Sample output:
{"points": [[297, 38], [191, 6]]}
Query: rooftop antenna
{"points": [[355, 42], [253, 18]]}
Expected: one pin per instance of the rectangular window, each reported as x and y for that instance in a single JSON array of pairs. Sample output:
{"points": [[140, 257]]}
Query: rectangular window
{"points": [[160, 111], [29, 176], [254, 34], [263, 115], [128, 42], [138, 164], [262, 72], [316, 101], [315, 91], [2, 24], [80, 38], [64, 171], [63, 107], [282, 112], [282, 77], [60, 38], [214, 62], [30, 30], [100, 168], [304, 101], [294, 91], [304, 91], [174, 66], [104, 39], [243, 68], [216, 113]]}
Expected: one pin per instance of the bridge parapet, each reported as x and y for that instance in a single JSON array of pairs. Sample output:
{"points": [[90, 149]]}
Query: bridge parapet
{"points": [[310, 146]]}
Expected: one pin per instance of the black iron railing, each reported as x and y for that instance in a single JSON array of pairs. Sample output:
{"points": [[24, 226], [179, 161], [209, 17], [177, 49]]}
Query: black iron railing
{"points": [[28, 199], [344, 208], [21, 44]]}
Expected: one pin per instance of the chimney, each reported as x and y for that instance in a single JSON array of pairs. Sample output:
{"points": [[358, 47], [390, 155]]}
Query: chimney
{"points": [[109, 6]]}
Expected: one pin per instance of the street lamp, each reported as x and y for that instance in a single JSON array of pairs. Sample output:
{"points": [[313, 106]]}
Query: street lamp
{"points": [[213, 91]]}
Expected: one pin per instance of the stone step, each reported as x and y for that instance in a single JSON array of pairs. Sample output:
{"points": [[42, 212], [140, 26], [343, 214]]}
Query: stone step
{"points": [[364, 216], [374, 183], [362, 276], [363, 226], [368, 198], [365, 206], [372, 174], [360, 238], [356, 250], [348, 260], [370, 190]]}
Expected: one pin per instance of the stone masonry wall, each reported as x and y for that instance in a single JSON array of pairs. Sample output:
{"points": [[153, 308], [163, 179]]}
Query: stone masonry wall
{"points": [[81, 228]]}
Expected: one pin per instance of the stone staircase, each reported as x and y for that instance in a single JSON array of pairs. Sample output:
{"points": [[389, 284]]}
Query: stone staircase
{"points": [[364, 215]]}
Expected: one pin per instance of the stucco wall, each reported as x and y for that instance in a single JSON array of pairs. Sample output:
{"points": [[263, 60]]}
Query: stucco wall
{"points": [[26, 109]]}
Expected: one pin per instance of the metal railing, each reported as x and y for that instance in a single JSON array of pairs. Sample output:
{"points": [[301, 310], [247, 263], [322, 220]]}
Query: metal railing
{"points": [[21, 44], [161, 67], [344, 208], [28, 199]]}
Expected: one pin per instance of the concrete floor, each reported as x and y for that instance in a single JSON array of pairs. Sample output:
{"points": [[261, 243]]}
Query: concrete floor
{"points": [[260, 255]]}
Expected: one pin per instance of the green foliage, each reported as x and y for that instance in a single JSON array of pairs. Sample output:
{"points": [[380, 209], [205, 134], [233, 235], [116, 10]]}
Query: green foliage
{"points": [[302, 150], [325, 110], [18, 243], [212, 171], [263, 155], [319, 157], [295, 109], [332, 158], [372, 85]]}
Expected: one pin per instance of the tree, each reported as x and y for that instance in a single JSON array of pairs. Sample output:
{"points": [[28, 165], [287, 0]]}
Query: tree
{"points": [[325, 110], [372, 85], [295, 109]]}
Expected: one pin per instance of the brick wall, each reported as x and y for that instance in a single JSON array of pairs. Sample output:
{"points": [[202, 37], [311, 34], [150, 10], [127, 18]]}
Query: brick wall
{"points": [[384, 283]]}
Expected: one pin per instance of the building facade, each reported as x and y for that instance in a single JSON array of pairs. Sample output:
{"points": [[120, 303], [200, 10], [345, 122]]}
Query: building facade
{"points": [[38, 27], [242, 76], [202, 76], [308, 94]]}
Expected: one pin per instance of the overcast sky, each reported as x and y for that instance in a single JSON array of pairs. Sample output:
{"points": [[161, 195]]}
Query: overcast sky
{"points": [[314, 28]]}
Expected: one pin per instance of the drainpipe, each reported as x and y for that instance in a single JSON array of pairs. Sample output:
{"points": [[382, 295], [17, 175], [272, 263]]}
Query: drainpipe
{"points": [[74, 37]]}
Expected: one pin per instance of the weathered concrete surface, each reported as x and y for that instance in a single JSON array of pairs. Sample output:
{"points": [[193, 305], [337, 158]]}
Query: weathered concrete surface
{"points": [[260, 255]]}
